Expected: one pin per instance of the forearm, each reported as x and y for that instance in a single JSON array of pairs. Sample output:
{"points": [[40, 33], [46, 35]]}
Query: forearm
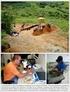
{"points": [[29, 71], [21, 75]]}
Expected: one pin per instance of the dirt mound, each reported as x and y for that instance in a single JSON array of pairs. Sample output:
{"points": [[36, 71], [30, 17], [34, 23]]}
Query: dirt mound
{"points": [[44, 29]]}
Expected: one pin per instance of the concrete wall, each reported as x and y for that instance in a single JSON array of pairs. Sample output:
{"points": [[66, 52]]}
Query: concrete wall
{"points": [[53, 57], [41, 60]]}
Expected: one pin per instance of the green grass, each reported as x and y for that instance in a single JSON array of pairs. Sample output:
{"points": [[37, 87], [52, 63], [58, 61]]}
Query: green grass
{"points": [[61, 23], [26, 20], [4, 42], [3, 34]]}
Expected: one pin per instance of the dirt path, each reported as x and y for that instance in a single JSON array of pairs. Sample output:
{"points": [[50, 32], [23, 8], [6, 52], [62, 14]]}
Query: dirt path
{"points": [[26, 42]]}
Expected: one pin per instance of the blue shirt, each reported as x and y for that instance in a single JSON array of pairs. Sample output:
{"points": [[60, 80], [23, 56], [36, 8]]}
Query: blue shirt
{"points": [[61, 66]]}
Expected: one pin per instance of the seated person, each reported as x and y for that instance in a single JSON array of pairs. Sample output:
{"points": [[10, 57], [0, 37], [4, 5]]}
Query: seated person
{"points": [[11, 73], [61, 66]]}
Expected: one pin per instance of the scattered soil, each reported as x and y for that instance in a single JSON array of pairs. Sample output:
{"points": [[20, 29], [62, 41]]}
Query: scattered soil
{"points": [[38, 41]]}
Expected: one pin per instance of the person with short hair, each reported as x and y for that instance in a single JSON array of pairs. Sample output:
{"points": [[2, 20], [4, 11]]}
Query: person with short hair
{"points": [[11, 73], [61, 66]]}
